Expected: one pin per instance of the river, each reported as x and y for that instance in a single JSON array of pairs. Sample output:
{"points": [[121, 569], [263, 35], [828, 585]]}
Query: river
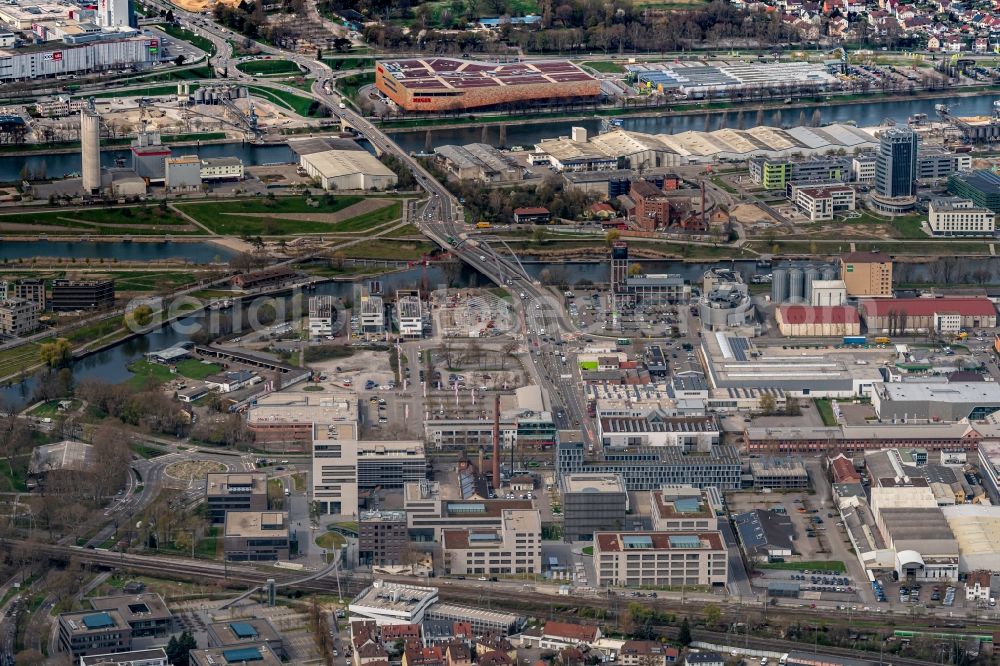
{"points": [[59, 165], [197, 252], [865, 115]]}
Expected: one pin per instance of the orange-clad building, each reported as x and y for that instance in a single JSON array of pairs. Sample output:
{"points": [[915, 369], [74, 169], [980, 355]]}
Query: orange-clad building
{"points": [[448, 84]]}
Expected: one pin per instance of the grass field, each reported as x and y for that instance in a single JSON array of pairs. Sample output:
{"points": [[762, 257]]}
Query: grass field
{"points": [[224, 218], [342, 64], [833, 565], [266, 67], [137, 220], [296, 103], [391, 250], [189, 368], [350, 85], [125, 281], [50, 409], [604, 66], [15, 359], [186, 35], [826, 411]]}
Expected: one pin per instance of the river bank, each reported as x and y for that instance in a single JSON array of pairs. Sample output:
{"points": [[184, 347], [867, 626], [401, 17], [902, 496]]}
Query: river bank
{"points": [[406, 126]]}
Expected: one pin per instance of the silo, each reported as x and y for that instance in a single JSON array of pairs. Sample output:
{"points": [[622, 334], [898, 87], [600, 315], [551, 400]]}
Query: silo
{"points": [[829, 272], [779, 286], [90, 150], [199, 96], [795, 285], [812, 273]]}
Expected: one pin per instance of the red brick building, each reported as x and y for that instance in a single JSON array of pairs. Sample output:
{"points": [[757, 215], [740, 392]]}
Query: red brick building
{"points": [[652, 207]]}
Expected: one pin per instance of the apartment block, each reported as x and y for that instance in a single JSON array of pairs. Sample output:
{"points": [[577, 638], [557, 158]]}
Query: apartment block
{"points": [[30, 289], [18, 317], [409, 314], [235, 492], [657, 559], [514, 547], [321, 316], [70, 295]]}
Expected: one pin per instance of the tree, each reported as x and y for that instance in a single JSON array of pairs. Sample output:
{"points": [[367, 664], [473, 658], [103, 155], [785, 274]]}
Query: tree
{"points": [[792, 406], [539, 234], [712, 615], [767, 404], [612, 236], [635, 269], [684, 636], [55, 354], [139, 317], [178, 649]]}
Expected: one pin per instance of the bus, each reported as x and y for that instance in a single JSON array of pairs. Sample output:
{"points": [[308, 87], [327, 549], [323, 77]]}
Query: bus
{"points": [[621, 342], [483, 225]]}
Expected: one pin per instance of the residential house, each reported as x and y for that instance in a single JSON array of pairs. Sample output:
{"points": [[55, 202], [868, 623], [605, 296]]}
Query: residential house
{"points": [[457, 653], [977, 585], [647, 653]]}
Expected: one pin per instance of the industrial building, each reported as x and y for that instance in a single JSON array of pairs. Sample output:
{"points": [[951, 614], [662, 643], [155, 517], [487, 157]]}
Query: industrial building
{"points": [[981, 187], [71, 295], [682, 508], [183, 173], [960, 217], [765, 535], [348, 170], [392, 603], [592, 503], [938, 402], [513, 548], [734, 361], [221, 168], [828, 293], [431, 508], [109, 51], [149, 156], [727, 304], [18, 317], [657, 559], [256, 536], [867, 274], [479, 161], [700, 79], [854, 438], [817, 321], [234, 492], [942, 315], [794, 284], [988, 458], [383, 538], [451, 84], [634, 150]]}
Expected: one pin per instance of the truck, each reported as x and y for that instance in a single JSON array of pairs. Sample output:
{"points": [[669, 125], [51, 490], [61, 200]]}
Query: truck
{"points": [[882, 340], [854, 340], [483, 225]]}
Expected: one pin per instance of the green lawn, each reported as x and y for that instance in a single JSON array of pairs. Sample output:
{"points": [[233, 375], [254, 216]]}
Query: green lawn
{"points": [[255, 67], [604, 66], [159, 373], [94, 331], [125, 281], [225, 217], [50, 409], [350, 85], [331, 541], [186, 35], [342, 64], [303, 106], [826, 411], [130, 220], [835, 566], [12, 481], [15, 359]]}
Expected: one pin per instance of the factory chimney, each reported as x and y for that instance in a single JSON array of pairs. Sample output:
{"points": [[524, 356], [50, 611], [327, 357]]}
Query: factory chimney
{"points": [[496, 442], [90, 150]]}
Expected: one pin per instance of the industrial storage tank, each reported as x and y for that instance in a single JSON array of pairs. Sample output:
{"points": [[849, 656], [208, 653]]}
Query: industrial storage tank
{"points": [[199, 96], [779, 286], [90, 150], [829, 273], [795, 278], [812, 273]]}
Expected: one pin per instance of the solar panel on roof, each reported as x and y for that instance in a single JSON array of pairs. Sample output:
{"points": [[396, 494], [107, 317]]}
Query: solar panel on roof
{"points": [[242, 654], [475, 507]]}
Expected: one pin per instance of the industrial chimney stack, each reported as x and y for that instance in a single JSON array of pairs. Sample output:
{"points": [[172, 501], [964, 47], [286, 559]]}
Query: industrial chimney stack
{"points": [[496, 443], [90, 150]]}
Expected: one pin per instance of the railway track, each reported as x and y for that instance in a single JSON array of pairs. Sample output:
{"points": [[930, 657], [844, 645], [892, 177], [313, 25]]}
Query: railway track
{"points": [[519, 600]]}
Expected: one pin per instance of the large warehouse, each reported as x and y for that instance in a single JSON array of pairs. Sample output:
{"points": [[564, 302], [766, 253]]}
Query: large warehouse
{"points": [[449, 84], [339, 164], [56, 59], [817, 321], [943, 315]]}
